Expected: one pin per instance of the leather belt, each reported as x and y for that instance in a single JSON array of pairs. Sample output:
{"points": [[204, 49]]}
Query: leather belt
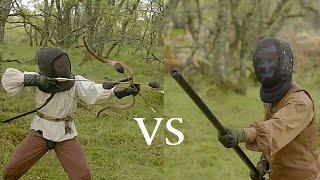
{"points": [[52, 119]]}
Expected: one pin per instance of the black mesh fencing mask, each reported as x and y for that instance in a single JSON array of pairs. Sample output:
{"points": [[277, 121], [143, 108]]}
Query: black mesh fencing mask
{"points": [[54, 62], [273, 63]]}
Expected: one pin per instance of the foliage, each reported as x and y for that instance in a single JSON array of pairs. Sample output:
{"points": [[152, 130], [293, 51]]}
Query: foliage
{"points": [[221, 35], [109, 26]]}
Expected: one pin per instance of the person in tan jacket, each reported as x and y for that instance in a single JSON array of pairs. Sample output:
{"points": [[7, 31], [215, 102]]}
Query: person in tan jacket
{"points": [[287, 137]]}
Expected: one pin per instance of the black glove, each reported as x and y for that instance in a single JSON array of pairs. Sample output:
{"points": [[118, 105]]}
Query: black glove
{"points": [[232, 138], [43, 82], [253, 176], [262, 167], [137, 87], [132, 90], [108, 85]]}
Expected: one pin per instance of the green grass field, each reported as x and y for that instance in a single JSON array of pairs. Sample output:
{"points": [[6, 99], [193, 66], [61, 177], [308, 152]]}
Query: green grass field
{"points": [[114, 145]]}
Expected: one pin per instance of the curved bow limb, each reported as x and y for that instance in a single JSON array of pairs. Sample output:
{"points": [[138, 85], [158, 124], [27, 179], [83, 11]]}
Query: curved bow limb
{"points": [[110, 62], [124, 69], [120, 67]]}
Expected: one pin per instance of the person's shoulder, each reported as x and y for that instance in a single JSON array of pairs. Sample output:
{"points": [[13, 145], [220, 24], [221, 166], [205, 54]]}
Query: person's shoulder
{"points": [[79, 77], [299, 96], [82, 81]]}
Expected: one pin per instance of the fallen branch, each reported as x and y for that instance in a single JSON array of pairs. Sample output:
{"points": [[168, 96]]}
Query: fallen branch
{"points": [[20, 61]]}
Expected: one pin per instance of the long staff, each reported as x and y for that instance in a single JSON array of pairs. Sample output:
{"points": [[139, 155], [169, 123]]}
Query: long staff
{"points": [[212, 118]]}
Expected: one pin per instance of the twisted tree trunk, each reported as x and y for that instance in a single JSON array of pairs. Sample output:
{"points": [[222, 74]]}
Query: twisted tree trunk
{"points": [[221, 42], [91, 15], [5, 6]]}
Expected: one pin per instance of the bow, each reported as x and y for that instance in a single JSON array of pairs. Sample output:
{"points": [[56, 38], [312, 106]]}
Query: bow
{"points": [[127, 72]]}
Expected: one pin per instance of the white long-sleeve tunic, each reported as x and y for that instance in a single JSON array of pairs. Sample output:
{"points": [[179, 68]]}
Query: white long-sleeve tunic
{"points": [[62, 104]]}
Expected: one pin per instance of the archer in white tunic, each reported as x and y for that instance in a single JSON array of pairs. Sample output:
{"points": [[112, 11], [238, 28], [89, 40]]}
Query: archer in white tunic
{"points": [[62, 104], [52, 126]]}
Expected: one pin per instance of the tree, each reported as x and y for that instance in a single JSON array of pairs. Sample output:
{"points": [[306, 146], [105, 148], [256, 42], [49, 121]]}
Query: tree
{"points": [[223, 33], [108, 26], [5, 6]]}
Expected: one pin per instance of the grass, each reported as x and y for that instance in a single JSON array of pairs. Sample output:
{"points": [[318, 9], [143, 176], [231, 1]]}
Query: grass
{"points": [[114, 145]]}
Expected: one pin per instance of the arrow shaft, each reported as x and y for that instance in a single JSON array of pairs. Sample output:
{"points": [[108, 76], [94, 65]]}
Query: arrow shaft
{"points": [[122, 81]]}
